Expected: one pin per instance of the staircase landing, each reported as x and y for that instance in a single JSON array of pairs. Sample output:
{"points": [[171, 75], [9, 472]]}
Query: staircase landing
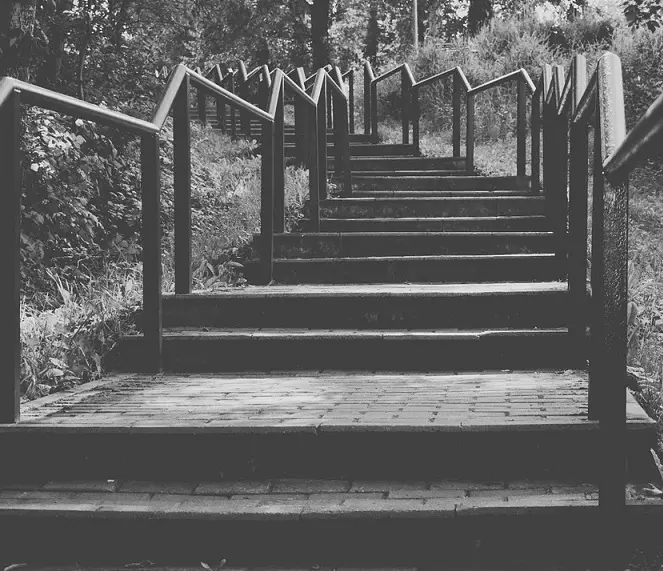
{"points": [[333, 401]]}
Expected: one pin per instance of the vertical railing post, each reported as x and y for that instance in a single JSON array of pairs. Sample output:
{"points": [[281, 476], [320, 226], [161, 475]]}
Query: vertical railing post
{"points": [[367, 100], [10, 232], [351, 99], [469, 136], [342, 155], [279, 166], [521, 129], [374, 111], [267, 202], [221, 108], [416, 118], [151, 234], [202, 107], [405, 105], [302, 140], [182, 187], [611, 257], [322, 142], [314, 169], [233, 111], [536, 142], [456, 111], [577, 246], [330, 109]]}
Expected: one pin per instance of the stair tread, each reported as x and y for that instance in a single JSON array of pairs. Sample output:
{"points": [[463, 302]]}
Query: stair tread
{"points": [[333, 401], [417, 234], [380, 290], [392, 334], [439, 258], [535, 217]]}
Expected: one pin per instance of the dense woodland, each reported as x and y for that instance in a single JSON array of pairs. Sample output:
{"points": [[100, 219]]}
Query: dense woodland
{"points": [[81, 202]]}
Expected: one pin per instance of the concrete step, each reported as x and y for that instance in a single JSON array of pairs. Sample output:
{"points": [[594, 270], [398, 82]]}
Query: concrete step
{"points": [[366, 244], [397, 163], [419, 193], [413, 269], [365, 150], [431, 207], [439, 182], [374, 306], [536, 223]]}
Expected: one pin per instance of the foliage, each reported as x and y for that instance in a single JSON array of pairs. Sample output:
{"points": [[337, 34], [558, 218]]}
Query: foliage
{"points": [[644, 13]]}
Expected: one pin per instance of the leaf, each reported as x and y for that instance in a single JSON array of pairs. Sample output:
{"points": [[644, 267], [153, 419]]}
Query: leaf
{"points": [[80, 123], [34, 167], [205, 566]]}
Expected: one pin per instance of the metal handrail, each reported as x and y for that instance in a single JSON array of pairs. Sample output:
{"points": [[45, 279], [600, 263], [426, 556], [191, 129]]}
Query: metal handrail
{"points": [[524, 85], [407, 80], [459, 82], [176, 97]]}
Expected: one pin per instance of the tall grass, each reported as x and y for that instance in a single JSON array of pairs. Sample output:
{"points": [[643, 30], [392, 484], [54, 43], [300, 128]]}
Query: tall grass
{"points": [[65, 335]]}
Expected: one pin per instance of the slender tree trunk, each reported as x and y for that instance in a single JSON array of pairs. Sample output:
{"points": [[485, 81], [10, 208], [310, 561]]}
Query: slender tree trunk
{"points": [[82, 52], [479, 14], [372, 33], [320, 32], [17, 22]]}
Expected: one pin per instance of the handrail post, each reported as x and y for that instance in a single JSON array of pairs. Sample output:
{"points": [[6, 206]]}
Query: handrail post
{"points": [[151, 233], [279, 166], [367, 100], [330, 109], [202, 107], [314, 166], [351, 99], [456, 104], [322, 142], [521, 129], [221, 109], [342, 155], [416, 117], [469, 142], [536, 142], [10, 230], [244, 118], [182, 187], [405, 104], [233, 112], [302, 140], [374, 111], [267, 202]]}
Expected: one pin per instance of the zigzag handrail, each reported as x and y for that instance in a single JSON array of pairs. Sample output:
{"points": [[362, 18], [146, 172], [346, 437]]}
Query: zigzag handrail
{"points": [[175, 98]]}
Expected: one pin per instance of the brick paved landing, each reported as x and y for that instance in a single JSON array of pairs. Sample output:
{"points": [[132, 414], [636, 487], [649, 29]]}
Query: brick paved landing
{"points": [[324, 401]]}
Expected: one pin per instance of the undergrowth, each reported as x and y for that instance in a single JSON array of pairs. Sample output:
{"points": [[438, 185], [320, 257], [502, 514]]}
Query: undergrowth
{"points": [[78, 317]]}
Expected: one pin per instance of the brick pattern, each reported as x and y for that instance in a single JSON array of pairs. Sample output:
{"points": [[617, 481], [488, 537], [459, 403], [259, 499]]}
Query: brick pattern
{"points": [[306, 401], [306, 499]]}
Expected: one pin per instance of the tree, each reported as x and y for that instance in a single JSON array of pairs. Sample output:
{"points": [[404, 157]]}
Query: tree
{"points": [[320, 32], [647, 13], [479, 13], [17, 26]]}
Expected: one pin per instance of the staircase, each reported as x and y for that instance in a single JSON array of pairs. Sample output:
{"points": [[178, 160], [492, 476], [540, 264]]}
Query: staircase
{"points": [[406, 393]]}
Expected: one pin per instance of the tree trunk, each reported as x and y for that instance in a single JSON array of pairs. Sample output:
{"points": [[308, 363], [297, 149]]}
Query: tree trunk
{"points": [[479, 14], [17, 22], [320, 32], [372, 33]]}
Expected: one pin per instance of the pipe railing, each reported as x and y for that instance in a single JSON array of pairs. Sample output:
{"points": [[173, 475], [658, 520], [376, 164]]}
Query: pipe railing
{"points": [[524, 86], [407, 80], [570, 107], [176, 98], [460, 85]]}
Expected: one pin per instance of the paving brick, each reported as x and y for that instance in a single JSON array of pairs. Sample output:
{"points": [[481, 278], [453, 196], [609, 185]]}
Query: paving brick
{"points": [[136, 486], [362, 486], [82, 486], [231, 488], [286, 486]]}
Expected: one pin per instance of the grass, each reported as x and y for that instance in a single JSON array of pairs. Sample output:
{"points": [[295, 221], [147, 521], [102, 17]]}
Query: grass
{"points": [[66, 335]]}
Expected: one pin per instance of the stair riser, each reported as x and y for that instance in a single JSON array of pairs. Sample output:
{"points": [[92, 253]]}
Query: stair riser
{"points": [[428, 193], [534, 310], [573, 538], [400, 454], [408, 163], [364, 150], [205, 354], [311, 246], [415, 182], [385, 208], [400, 271], [515, 224]]}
